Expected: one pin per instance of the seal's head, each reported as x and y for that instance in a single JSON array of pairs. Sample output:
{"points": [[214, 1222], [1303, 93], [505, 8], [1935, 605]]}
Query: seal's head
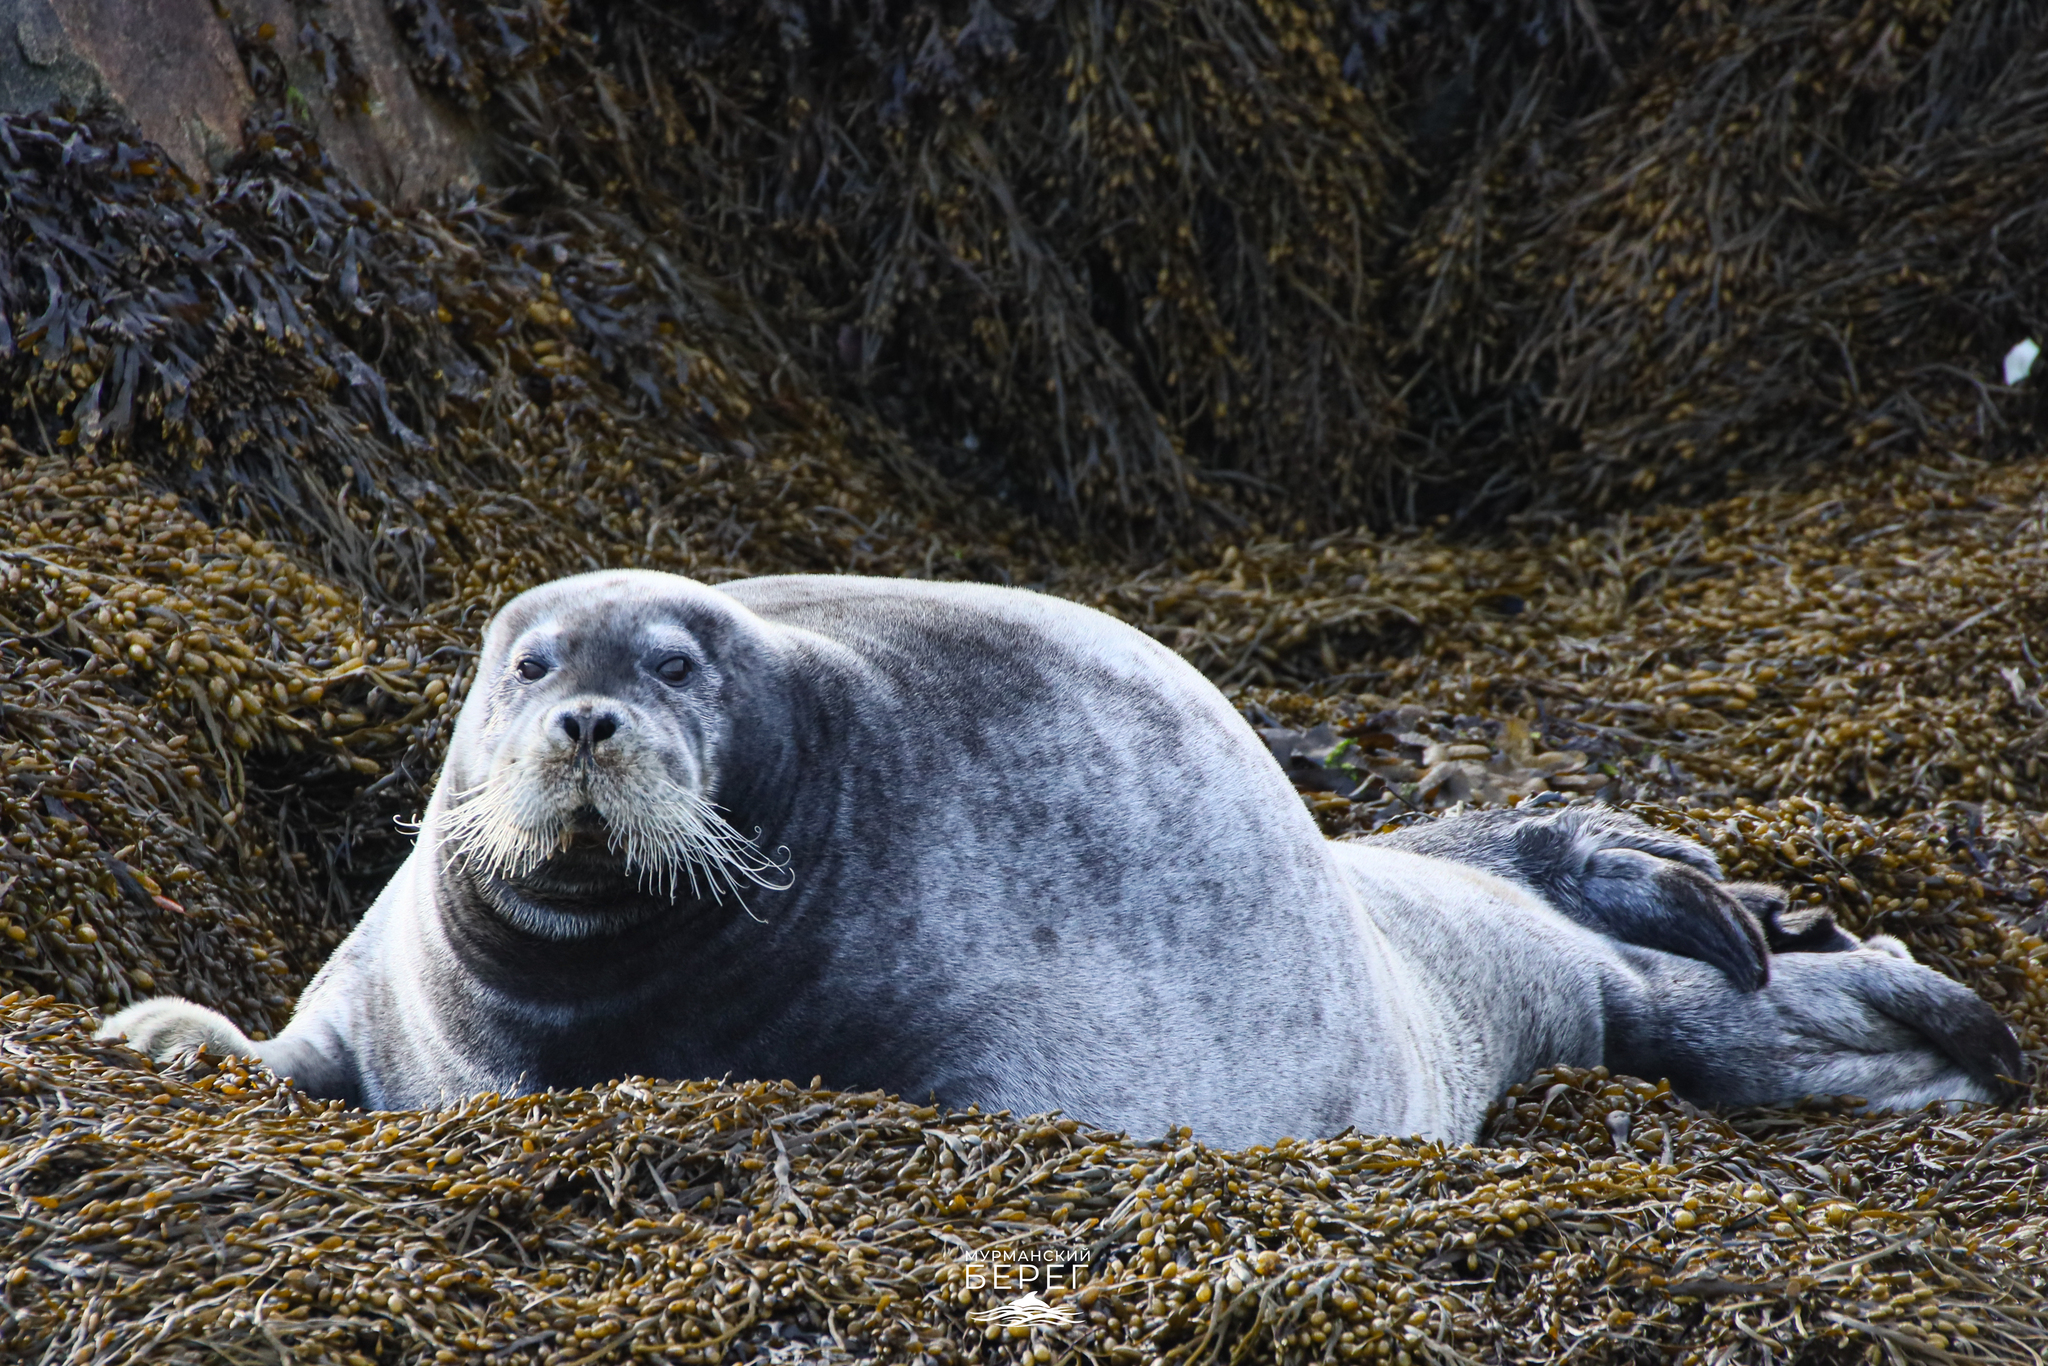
{"points": [[579, 795]]}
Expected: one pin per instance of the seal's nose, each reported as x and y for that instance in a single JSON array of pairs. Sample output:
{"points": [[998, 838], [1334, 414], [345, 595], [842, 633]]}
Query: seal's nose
{"points": [[587, 726]]}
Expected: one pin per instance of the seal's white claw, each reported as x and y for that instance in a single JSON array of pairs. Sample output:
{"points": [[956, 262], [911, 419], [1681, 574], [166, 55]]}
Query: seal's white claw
{"points": [[166, 1027]]}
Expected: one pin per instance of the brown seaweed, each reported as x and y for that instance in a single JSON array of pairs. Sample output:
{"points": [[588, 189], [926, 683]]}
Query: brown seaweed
{"points": [[274, 452], [1161, 266], [206, 1211]]}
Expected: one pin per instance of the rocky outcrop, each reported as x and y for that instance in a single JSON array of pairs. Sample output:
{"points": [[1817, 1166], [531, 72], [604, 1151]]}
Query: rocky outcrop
{"points": [[169, 65], [345, 76], [191, 77]]}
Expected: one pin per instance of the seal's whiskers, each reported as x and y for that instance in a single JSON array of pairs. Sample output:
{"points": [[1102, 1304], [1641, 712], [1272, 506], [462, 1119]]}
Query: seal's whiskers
{"points": [[505, 826], [666, 832], [672, 832]]}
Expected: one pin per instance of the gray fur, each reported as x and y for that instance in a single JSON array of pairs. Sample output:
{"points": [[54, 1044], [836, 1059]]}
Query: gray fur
{"points": [[1035, 861]]}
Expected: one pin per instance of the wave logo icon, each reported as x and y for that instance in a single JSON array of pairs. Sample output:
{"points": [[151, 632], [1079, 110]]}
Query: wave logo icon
{"points": [[1027, 1311]]}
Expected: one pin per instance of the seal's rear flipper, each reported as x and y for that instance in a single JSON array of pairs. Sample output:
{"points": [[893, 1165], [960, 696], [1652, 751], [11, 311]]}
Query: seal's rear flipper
{"points": [[1951, 1017], [1609, 872], [1807, 930], [1657, 903], [1867, 1021]]}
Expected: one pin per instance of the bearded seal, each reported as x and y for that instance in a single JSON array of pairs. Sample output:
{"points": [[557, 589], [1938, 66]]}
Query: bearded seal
{"points": [[985, 846]]}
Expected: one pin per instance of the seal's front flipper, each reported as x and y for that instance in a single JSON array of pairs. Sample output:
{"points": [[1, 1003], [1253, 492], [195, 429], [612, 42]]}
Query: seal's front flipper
{"points": [[1612, 873], [164, 1027]]}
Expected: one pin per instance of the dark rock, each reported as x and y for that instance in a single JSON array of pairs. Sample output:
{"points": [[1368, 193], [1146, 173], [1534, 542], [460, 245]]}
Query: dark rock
{"points": [[172, 68], [346, 78], [169, 65]]}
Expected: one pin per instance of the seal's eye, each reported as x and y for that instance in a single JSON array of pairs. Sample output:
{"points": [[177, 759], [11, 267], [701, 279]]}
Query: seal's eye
{"points": [[673, 669], [532, 670]]}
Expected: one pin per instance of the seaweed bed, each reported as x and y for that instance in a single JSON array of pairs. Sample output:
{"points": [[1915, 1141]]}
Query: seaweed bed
{"points": [[273, 452]]}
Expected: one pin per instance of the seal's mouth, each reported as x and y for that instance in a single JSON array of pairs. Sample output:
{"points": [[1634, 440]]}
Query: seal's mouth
{"points": [[587, 832], [584, 873]]}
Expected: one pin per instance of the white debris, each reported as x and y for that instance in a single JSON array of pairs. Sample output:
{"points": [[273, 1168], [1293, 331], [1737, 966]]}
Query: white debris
{"points": [[2019, 362]]}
